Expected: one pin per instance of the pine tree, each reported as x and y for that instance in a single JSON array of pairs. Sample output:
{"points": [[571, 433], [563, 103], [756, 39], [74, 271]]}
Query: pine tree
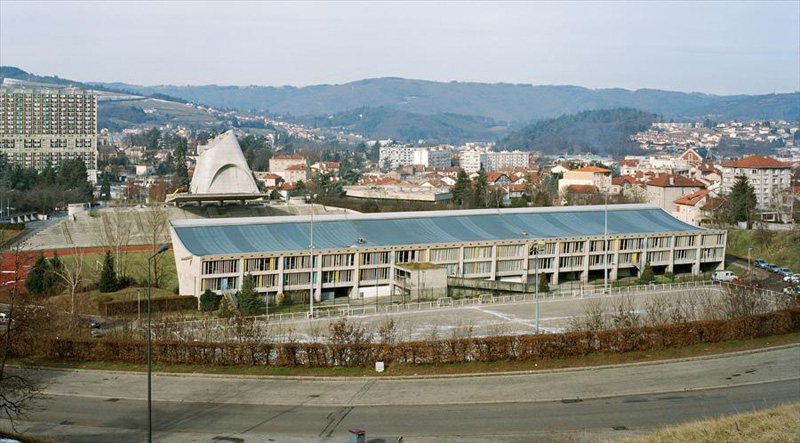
{"points": [[743, 201], [250, 303], [105, 188], [461, 188], [108, 278], [647, 274], [35, 282], [544, 286], [52, 281]]}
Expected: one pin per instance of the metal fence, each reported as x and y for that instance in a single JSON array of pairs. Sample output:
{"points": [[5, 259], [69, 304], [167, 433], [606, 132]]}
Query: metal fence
{"points": [[336, 311]]}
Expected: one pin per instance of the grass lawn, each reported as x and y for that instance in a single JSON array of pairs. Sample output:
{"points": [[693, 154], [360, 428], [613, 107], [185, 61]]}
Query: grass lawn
{"points": [[779, 247], [780, 424], [88, 302], [135, 265], [456, 368]]}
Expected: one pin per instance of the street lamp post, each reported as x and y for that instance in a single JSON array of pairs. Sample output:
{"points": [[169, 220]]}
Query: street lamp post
{"points": [[536, 283], [605, 245], [311, 265], [160, 250], [748, 258]]}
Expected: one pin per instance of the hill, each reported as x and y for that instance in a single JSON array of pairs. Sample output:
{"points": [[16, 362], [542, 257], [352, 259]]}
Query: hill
{"points": [[498, 101], [118, 109], [601, 131], [776, 106], [410, 127]]}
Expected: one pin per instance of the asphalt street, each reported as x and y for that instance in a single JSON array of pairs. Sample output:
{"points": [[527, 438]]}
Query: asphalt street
{"points": [[583, 404]]}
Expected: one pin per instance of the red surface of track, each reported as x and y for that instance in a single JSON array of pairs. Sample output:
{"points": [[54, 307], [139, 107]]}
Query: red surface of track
{"points": [[27, 258]]}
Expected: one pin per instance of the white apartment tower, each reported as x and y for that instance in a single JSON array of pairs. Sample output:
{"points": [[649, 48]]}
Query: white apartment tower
{"points": [[430, 157], [766, 175], [40, 126]]}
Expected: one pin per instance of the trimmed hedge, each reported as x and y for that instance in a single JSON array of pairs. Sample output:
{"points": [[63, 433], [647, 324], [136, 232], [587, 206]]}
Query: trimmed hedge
{"points": [[161, 304], [485, 349]]}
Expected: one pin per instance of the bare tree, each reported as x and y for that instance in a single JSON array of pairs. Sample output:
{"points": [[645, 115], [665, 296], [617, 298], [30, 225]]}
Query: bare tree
{"points": [[18, 390], [72, 274], [153, 223], [116, 235]]}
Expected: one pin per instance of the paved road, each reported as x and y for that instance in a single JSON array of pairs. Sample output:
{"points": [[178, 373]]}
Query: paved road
{"points": [[585, 403]]}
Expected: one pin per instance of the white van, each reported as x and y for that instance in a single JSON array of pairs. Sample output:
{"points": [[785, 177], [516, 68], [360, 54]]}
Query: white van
{"points": [[727, 276]]}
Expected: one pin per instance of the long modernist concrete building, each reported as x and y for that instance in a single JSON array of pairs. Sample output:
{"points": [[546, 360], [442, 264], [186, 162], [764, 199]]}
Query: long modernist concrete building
{"points": [[355, 255]]}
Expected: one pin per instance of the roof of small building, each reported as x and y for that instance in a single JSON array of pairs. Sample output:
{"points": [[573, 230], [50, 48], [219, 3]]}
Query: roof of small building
{"points": [[693, 198], [592, 169], [757, 162], [297, 168], [202, 237], [675, 180]]}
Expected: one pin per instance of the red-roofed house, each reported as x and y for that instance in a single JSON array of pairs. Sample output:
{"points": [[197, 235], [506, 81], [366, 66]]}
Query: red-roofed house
{"points": [[689, 207], [295, 173], [664, 189], [767, 176], [600, 178]]}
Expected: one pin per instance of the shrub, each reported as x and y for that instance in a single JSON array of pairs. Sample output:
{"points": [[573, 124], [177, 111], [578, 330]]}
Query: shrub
{"points": [[209, 301], [225, 309], [544, 286], [647, 276]]}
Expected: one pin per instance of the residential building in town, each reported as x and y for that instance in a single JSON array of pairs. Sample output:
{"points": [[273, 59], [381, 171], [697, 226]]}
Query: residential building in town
{"points": [[689, 208], [429, 156], [278, 164], [41, 126], [359, 255], [494, 161], [768, 177], [664, 189], [600, 178]]}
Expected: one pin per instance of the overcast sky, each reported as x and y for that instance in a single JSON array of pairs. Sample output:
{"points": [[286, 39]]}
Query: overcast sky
{"points": [[715, 47]]}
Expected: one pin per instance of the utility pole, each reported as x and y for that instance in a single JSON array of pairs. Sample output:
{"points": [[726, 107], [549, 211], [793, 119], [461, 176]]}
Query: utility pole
{"points": [[311, 264], [605, 246], [536, 290]]}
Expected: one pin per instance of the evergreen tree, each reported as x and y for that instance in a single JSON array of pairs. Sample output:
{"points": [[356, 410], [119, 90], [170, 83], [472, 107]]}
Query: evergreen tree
{"points": [[742, 201], [481, 189], [250, 303], [544, 285], [52, 280], [105, 188], [461, 188], [647, 274], [181, 171], [208, 301], [108, 278], [35, 282]]}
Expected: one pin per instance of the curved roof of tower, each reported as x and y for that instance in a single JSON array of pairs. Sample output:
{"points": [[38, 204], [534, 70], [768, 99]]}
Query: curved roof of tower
{"points": [[222, 169]]}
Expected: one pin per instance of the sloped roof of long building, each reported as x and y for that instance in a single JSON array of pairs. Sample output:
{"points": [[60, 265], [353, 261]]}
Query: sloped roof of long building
{"points": [[292, 233]]}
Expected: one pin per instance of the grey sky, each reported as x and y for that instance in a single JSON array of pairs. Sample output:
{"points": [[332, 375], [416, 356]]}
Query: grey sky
{"points": [[715, 47]]}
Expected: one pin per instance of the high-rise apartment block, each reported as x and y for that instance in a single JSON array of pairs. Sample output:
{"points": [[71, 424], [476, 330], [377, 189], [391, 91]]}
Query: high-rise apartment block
{"points": [[473, 160], [766, 175], [430, 157], [46, 126]]}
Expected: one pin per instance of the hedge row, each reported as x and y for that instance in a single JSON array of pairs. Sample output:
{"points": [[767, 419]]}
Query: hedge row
{"points": [[520, 347], [161, 304]]}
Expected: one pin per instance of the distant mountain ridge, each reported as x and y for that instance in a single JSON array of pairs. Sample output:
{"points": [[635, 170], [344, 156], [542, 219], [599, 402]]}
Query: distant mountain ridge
{"points": [[502, 102]]}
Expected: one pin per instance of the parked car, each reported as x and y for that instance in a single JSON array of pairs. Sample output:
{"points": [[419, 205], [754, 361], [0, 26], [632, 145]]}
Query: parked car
{"points": [[791, 290], [772, 267], [726, 276], [760, 263], [794, 278], [785, 271]]}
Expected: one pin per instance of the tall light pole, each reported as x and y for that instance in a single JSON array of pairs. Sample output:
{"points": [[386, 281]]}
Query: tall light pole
{"points": [[311, 264], [748, 258], [160, 250], [605, 245], [536, 290]]}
